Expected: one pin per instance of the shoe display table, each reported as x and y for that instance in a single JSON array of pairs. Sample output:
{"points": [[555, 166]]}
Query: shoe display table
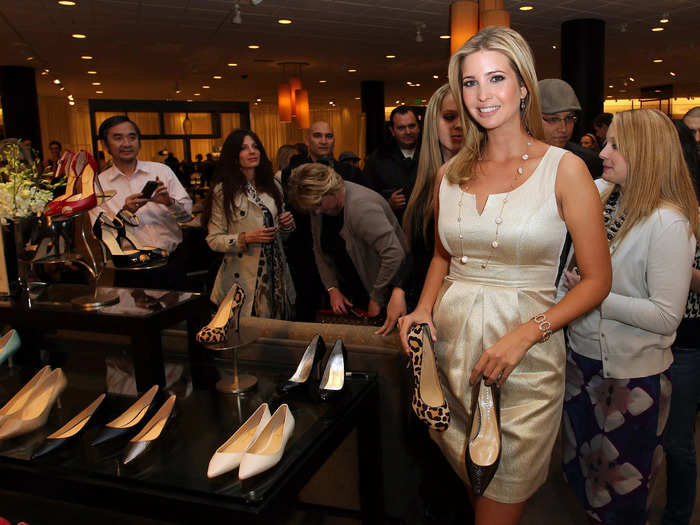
{"points": [[139, 314], [169, 482]]}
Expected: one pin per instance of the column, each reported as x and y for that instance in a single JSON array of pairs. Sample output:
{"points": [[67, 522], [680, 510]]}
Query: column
{"points": [[372, 94], [583, 65], [20, 106], [464, 23]]}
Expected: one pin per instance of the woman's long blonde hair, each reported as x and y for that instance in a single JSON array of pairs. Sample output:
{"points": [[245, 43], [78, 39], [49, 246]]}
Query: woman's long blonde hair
{"points": [[420, 206], [511, 44], [657, 174]]}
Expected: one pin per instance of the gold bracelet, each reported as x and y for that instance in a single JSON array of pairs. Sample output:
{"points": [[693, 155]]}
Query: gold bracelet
{"points": [[545, 327]]}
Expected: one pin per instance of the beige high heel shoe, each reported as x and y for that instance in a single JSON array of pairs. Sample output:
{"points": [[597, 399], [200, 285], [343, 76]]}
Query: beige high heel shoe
{"points": [[36, 410], [228, 456], [20, 398]]}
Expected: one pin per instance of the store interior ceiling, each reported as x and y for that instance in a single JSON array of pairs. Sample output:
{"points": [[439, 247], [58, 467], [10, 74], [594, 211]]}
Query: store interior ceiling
{"points": [[171, 49]]}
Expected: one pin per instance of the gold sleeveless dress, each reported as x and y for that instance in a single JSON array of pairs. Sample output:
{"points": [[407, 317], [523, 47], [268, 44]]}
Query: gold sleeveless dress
{"points": [[477, 306]]}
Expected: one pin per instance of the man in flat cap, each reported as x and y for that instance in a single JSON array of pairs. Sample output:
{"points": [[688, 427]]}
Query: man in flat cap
{"points": [[560, 111]]}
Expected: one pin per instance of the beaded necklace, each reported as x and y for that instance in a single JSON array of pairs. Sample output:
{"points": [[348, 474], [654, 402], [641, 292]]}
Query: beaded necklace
{"points": [[498, 220]]}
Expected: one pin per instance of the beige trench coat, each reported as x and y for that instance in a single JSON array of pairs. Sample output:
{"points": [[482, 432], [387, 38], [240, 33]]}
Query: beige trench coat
{"points": [[240, 266]]}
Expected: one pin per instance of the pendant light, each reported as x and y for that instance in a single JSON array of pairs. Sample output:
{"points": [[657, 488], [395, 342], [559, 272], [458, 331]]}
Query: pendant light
{"points": [[284, 102], [302, 103]]}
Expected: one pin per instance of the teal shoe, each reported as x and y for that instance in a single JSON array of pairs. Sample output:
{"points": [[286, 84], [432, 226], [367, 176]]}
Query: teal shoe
{"points": [[9, 344]]}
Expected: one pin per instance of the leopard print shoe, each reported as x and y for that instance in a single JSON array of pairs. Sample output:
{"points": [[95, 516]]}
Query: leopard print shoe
{"points": [[228, 314], [428, 401]]}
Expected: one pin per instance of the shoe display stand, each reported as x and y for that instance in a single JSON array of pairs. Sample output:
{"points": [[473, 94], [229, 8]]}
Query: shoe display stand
{"points": [[235, 340], [99, 298], [169, 482]]}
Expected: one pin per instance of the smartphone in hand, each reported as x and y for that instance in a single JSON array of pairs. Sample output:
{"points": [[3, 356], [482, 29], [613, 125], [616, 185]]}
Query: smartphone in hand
{"points": [[148, 189]]}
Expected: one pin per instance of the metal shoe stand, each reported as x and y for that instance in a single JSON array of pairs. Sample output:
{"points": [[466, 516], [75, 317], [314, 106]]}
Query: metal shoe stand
{"points": [[98, 298], [236, 339]]}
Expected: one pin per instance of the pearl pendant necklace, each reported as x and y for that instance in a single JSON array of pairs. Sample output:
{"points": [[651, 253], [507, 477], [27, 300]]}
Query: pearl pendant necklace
{"points": [[498, 220]]}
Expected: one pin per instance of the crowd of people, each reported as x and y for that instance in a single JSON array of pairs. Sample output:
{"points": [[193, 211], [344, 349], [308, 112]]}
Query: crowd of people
{"points": [[488, 223]]}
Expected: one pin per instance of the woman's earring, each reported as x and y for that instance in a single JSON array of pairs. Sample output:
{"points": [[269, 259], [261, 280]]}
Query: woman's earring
{"points": [[522, 104]]}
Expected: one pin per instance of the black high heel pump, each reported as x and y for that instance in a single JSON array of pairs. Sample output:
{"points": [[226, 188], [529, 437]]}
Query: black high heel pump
{"points": [[105, 231], [309, 366], [333, 379]]}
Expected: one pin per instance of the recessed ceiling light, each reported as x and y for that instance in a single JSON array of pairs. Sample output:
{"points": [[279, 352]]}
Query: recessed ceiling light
{"points": [[56, 81], [44, 73], [409, 83], [631, 79], [189, 100], [71, 102], [322, 81], [331, 102], [86, 57], [62, 88], [78, 35], [357, 98], [417, 84], [217, 77], [397, 102], [284, 21], [657, 29], [657, 60], [66, 2], [436, 76], [258, 100], [99, 91], [232, 64], [445, 37], [389, 56], [177, 91], [672, 74], [30, 58], [97, 83], [253, 46], [91, 72], [424, 100], [205, 87], [664, 21], [554, 46], [352, 70], [610, 86], [196, 94], [70, 97], [526, 8]]}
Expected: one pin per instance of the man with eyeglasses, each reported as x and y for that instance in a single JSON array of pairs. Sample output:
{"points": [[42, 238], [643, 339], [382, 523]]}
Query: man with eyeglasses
{"points": [[560, 111]]}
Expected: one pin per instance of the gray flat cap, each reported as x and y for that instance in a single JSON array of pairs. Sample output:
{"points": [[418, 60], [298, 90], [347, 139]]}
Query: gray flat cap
{"points": [[556, 95]]}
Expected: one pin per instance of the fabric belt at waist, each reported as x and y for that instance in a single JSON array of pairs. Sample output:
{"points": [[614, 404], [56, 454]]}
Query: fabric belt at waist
{"points": [[506, 275]]}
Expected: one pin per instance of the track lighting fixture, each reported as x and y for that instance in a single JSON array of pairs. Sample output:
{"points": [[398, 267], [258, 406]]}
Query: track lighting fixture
{"points": [[237, 15]]}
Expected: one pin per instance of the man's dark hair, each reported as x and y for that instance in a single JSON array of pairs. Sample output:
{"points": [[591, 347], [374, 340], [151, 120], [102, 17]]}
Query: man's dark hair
{"points": [[400, 110], [604, 119], [115, 121], [302, 149], [60, 146]]}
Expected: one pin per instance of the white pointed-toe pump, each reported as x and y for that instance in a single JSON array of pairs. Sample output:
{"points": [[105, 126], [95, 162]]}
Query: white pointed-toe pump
{"points": [[228, 456], [266, 451]]}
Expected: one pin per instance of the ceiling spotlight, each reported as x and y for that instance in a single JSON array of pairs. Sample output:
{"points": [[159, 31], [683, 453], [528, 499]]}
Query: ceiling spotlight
{"points": [[389, 56], [357, 98], [436, 77], [445, 37], [97, 83], [672, 74], [331, 102], [86, 57], [657, 29], [177, 91], [284, 21], [664, 19], [56, 81], [409, 83], [79, 36], [417, 84], [71, 102], [610, 86], [44, 73], [322, 81], [526, 8], [205, 87], [70, 97], [65, 2], [351, 70], [232, 64], [657, 60], [197, 94], [217, 77], [62, 88], [631, 79], [258, 100], [554, 46], [99, 91], [253, 46], [91, 72], [237, 15], [398, 102], [30, 58]]}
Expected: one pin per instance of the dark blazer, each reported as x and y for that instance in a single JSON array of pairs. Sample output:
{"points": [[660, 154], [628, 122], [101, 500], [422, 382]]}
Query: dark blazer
{"points": [[593, 162], [386, 170]]}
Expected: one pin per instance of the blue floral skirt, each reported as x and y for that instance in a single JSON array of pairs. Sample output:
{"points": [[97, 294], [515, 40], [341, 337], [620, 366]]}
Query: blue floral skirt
{"points": [[612, 439]]}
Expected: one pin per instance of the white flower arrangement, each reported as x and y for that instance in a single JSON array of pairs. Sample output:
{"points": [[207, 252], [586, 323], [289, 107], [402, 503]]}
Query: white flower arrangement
{"points": [[23, 192]]}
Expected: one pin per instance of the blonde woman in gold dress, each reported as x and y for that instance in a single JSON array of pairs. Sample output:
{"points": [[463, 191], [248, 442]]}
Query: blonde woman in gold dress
{"points": [[503, 207]]}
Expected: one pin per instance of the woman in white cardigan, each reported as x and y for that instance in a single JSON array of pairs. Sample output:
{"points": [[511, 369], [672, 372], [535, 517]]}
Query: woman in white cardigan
{"points": [[617, 385], [246, 222]]}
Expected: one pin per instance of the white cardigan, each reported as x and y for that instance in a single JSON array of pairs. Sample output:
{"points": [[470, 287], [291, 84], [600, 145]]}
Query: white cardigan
{"points": [[633, 328]]}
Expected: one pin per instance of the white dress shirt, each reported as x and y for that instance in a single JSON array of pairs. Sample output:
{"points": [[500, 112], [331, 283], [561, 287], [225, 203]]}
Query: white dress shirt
{"points": [[158, 223]]}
